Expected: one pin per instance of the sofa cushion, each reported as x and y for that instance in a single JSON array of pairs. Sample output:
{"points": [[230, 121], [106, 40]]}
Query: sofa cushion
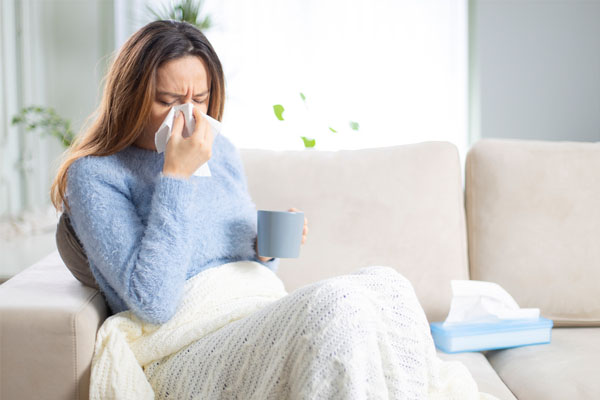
{"points": [[567, 368], [48, 324], [72, 253], [399, 206], [533, 215], [487, 379]]}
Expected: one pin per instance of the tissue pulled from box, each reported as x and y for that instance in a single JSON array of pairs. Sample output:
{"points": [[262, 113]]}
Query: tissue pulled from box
{"points": [[481, 301], [162, 135]]}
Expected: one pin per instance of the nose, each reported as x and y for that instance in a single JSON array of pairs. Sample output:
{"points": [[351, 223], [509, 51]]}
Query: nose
{"points": [[188, 96]]}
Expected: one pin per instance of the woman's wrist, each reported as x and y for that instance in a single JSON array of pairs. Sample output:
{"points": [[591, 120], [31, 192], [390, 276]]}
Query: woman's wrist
{"points": [[174, 173]]}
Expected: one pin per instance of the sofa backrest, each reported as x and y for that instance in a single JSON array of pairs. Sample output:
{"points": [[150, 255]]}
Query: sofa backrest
{"points": [[398, 206], [533, 213]]}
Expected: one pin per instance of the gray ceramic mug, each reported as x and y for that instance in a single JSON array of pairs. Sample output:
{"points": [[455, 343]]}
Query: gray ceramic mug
{"points": [[279, 233]]}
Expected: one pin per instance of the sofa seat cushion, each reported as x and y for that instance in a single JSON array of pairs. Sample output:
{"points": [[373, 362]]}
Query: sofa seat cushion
{"points": [[567, 368], [487, 380]]}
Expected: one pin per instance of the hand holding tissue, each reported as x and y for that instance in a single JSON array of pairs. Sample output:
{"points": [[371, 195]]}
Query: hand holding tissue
{"points": [[162, 135], [484, 316]]}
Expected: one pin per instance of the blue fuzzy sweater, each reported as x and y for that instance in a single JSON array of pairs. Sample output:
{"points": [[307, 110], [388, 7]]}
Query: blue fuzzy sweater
{"points": [[145, 233]]}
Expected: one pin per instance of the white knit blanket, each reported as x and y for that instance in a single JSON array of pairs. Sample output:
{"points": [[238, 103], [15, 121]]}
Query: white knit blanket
{"points": [[382, 349]]}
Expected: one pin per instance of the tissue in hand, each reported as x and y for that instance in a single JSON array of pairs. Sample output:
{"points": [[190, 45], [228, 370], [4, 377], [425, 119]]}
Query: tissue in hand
{"points": [[484, 316], [162, 135]]}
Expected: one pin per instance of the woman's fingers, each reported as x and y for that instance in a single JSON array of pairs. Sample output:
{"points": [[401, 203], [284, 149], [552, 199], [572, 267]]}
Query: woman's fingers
{"points": [[201, 131], [305, 228], [178, 124], [183, 157]]}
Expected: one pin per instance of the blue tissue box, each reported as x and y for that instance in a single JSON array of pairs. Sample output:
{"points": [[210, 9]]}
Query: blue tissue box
{"points": [[459, 337]]}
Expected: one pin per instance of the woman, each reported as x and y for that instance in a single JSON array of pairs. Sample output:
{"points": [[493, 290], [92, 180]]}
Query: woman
{"points": [[150, 206], [148, 226]]}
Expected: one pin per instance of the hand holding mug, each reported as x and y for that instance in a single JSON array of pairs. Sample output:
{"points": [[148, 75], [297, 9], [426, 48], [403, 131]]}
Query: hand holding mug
{"points": [[305, 229], [280, 233]]}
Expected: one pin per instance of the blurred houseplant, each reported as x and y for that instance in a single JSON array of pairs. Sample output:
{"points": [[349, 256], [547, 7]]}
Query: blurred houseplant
{"points": [[309, 142], [35, 221], [184, 10], [46, 121], [189, 11]]}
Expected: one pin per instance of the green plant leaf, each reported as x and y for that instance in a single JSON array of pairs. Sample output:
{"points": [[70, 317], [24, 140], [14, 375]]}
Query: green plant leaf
{"points": [[332, 130], [308, 143], [278, 109], [302, 96], [184, 10], [205, 24], [354, 125], [47, 122]]}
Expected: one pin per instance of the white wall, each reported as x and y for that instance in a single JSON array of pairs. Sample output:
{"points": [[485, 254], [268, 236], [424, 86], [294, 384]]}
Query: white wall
{"points": [[537, 65], [52, 55], [396, 67], [10, 175]]}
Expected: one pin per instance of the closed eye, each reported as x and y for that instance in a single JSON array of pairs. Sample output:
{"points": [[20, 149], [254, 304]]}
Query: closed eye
{"points": [[170, 104]]}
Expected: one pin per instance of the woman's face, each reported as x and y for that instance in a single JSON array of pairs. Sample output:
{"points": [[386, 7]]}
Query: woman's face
{"points": [[178, 81]]}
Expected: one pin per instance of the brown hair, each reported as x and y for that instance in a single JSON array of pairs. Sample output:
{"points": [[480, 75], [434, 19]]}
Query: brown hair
{"points": [[130, 89]]}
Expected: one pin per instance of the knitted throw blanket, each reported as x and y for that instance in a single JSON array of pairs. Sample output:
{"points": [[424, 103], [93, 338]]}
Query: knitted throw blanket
{"points": [[392, 356]]}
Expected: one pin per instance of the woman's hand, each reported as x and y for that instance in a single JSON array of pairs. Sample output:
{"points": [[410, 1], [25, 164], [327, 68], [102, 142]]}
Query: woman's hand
{"points": [[305, 229], [304, 233], [261, 258], [183, 156]]}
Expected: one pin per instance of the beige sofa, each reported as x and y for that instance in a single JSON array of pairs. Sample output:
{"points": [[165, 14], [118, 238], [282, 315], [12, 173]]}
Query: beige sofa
{"points": [[529, 219]]}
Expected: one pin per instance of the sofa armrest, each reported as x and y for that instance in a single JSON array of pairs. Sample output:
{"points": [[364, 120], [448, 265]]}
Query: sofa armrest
{"points": [[48, 325]]}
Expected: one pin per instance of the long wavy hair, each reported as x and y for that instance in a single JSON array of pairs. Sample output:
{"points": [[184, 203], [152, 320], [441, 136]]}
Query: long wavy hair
{"points": [[130, 90]]}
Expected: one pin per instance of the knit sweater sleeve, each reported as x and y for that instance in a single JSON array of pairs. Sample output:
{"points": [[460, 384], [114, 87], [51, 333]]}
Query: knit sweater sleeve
{"points": [[237, 165], [144, 264], [272, 264]]}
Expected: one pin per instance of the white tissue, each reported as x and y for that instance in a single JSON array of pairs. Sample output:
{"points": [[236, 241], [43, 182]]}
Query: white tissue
{"points": [[480, 301], [162, 135]]}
